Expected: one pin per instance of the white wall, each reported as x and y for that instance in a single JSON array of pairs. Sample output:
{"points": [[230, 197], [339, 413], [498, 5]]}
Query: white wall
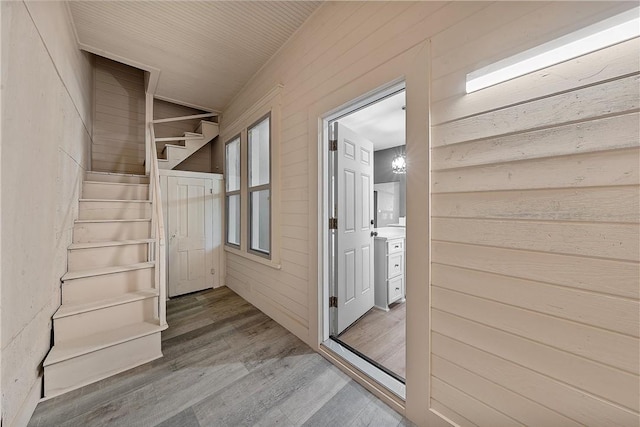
{"points": [[46, 138], [337, 48]]}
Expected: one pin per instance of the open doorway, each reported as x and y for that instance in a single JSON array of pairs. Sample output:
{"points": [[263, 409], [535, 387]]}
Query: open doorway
{"points": [[367, 197]]}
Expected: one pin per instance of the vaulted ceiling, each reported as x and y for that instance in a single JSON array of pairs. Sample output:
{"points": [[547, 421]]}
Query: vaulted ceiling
{"points": [[200, 53]]}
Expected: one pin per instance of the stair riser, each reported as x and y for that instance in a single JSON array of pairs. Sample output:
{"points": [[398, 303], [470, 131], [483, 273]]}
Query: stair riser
{"points": [[114, 210], [86, 289], [209, 130], [107, 256], [92, 322], [91, 367], [194, 145], [91, 176], [110, 231], [97, 190]]}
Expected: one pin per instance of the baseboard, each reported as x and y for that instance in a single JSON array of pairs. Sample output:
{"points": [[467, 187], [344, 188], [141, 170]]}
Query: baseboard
{"points": [[25, 412]]}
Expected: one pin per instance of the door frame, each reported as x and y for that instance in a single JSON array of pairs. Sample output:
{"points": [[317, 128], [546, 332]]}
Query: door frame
{"points": [[411, 66], [330, 170]]}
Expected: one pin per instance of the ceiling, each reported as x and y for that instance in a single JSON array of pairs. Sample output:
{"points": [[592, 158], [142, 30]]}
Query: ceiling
{"points": [[382, 123], [200, 53]]}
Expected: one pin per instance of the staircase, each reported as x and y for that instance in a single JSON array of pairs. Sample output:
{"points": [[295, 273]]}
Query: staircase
{"points": [[109, 318], [173, 154]]}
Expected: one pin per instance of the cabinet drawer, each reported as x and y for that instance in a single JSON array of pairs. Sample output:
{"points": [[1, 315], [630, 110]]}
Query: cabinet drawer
{"points": [[394, 246], [395, 265], [395, 289]]}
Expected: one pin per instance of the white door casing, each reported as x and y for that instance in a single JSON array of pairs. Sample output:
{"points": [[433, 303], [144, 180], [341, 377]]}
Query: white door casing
{"points": [[190, 234], [354, 241]]}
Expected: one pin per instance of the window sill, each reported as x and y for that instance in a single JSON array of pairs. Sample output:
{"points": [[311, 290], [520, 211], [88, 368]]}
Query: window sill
{"points": [[256, 258]]}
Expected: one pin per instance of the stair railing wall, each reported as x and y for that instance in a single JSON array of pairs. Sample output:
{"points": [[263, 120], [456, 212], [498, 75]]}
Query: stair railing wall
{"points": [[157, 249], [158, 233]]}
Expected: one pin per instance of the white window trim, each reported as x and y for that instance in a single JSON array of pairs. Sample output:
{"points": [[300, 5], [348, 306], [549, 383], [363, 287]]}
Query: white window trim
{"points": [[255, 188], [270, 103]]}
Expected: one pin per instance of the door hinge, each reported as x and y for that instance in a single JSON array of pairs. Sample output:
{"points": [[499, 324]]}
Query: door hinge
{"points": [[333, 145], [333, 223], [333, 302], [211, 190]]}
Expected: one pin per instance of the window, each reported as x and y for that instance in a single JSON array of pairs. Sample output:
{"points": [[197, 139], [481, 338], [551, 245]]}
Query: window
{"points": [[232, 191], [259, 186]]}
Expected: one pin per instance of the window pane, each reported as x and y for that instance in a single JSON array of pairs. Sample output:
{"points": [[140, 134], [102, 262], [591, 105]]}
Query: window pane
{"points": [[233, 219], [259, 154], [260, 221], [233, 165]]}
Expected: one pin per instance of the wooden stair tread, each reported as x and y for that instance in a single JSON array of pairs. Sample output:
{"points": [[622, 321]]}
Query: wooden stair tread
{"points": [[67, 310], [115, 183], [91, 245], [105, 270], [117, 200], [73, 348], [134, 175], [80, 221]]}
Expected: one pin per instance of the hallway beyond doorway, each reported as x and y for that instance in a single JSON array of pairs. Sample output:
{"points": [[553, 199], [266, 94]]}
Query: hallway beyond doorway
{"points": [[225, 364]]}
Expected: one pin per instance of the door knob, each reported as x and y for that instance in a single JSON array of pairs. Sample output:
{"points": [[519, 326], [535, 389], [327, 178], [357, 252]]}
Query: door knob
{"points": [[374, 233]]}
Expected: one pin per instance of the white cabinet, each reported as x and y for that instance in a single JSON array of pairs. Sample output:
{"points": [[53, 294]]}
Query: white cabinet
{"points": [[389, 271]]}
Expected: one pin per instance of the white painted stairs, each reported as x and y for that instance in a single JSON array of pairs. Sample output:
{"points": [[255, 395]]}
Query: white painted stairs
{"points": [[174, 154], [107, 322]]}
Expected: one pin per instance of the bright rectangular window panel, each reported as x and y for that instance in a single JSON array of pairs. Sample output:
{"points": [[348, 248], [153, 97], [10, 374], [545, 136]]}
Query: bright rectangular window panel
{"points": [[260, 230], [259, 140], [233, 165], [608, 32], [233, 219]]}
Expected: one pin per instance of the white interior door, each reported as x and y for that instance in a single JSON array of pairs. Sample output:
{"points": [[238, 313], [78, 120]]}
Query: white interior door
{"points": [[190, 209], [354, 240]]}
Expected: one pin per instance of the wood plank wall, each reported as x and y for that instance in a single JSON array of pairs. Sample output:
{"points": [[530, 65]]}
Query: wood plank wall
{"points": [[200, 161], [118, 128], [555, 221], [535, 238]]}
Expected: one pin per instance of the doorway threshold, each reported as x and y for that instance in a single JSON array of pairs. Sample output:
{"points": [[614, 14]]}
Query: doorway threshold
{"points": [[390, 382]]}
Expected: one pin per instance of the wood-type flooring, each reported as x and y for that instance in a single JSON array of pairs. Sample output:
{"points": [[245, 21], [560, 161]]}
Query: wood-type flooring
{"points": [[381, 336], [225, 364]]}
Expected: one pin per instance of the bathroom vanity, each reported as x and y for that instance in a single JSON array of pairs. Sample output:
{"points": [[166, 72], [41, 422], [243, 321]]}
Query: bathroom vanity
{"points": [[389, 262]]}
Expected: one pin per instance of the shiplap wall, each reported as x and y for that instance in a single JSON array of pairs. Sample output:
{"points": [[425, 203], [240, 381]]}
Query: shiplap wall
{"points": [[345, 40], [118, 128], [46, 139], [535, 243]]}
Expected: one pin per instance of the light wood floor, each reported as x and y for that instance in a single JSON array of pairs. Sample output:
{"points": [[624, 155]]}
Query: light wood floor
{"points": [[381, 336], [225, 364]]}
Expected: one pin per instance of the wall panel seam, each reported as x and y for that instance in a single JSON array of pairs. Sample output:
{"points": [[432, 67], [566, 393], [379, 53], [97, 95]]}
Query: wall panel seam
{"points": [[526, 101], [529, 159], [534, 220], [475, 398], [536, 341], [529, 310], [604, 294], [579, 390], [546, 252]]}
